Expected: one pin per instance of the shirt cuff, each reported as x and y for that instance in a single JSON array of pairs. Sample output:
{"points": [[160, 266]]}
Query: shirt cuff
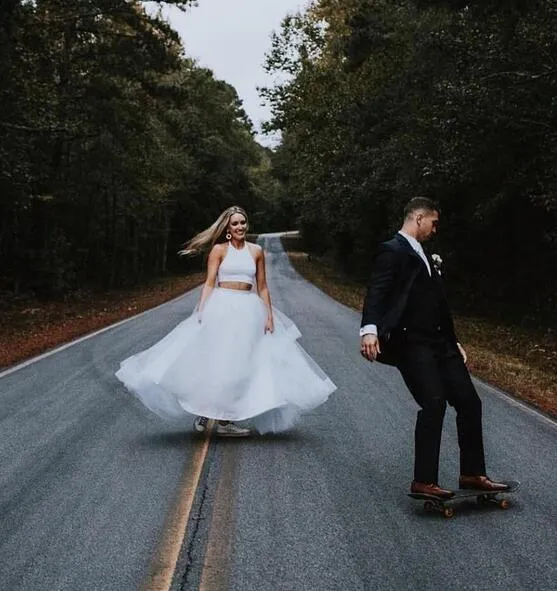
{"points": [[368, 329]]}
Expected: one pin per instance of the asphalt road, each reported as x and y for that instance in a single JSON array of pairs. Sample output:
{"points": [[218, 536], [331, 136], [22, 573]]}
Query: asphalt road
{"points": [[88, 478]]}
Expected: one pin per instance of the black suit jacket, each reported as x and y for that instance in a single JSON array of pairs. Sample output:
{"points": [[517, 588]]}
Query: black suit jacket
{"points": [[395, 268]]}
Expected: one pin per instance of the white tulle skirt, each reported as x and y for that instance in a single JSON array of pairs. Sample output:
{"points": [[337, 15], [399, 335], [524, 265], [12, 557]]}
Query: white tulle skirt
{"points": [[222, 365]]}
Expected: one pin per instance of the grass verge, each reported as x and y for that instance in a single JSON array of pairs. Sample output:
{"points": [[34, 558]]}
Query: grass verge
{"points": [[30, 327], [522, 362]]}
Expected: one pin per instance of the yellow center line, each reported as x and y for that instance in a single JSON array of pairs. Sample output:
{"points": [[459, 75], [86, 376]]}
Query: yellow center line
{"points": [[164, 564], [216, 564]]}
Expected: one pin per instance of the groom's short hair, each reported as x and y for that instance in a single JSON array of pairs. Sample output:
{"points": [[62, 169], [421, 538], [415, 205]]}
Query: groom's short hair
{"points": [[420, 203]]}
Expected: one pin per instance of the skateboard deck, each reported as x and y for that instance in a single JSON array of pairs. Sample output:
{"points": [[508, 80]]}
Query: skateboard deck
{"points": [[445, 506]]}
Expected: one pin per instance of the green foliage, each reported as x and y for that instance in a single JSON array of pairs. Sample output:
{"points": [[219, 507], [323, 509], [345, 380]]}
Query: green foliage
{"points": [[114, 146], [385, 100]]}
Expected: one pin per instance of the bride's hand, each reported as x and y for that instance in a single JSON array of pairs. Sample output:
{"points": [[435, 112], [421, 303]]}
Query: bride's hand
{"points": [[269, 325]]}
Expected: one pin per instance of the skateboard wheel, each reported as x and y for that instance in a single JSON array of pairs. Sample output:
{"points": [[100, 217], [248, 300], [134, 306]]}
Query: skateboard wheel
{"points": [[504, 504], [448, 512], [482, 500], [429, 506]]}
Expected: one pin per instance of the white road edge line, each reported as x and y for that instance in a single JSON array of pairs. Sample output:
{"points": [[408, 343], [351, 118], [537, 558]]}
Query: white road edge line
{"points": [[28, 362], [517, 403], [509, 399], [42, 356]]}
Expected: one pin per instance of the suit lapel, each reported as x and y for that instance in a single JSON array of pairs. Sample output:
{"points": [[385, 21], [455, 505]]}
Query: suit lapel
{"points": [[437, 276], [408, 247], [421, 266], [434, 272]]}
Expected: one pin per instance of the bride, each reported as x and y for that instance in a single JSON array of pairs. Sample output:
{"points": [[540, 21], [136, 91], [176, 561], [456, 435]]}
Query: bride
{"points": [[236, 357]]}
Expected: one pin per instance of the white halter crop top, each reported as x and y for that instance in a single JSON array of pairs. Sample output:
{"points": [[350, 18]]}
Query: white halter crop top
{"points": [[237, 265]]}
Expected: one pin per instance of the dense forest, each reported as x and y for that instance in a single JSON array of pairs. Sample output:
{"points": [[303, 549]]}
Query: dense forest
{"points": [[383, 100], [114, 146]]}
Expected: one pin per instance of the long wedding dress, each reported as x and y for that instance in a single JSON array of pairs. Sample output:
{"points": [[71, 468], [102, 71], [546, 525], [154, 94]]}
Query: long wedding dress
{"points": [[221, 364]]}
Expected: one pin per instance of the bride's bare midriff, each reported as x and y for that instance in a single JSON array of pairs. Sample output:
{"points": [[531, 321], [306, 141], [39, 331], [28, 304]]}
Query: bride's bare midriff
{"points": [[235, 285]]}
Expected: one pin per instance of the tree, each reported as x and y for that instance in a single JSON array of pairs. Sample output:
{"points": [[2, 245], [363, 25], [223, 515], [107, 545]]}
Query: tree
{"points": [[116, 146], [381, 101]]}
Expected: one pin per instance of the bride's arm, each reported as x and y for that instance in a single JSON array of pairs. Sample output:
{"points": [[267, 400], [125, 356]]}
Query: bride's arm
{"points": [[263, 290], [213, 263]]}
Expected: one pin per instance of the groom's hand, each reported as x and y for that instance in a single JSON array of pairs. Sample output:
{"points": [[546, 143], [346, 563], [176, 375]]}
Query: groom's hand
{"points": [[369, 347], [462, 352]]}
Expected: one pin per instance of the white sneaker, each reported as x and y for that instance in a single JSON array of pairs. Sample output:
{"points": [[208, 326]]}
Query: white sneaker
{"points": [[200, 424], [232, 430]]}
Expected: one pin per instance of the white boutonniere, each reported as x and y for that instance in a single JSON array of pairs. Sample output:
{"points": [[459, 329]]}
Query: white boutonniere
{"points": [[437, 262]]}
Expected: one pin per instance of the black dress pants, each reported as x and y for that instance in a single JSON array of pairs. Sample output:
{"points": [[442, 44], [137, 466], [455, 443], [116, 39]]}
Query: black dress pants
{"points": [[435, 374]]}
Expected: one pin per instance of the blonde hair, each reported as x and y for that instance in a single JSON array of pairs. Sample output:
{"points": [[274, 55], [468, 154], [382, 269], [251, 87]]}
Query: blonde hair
{"points": [[206, 240]]}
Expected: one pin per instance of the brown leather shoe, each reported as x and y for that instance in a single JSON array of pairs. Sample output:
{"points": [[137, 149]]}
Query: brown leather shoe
{"points": [[431, 489], [481, 483]]}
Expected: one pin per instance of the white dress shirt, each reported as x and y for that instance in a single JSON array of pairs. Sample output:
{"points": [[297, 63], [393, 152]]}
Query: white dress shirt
{"points": [[372, 328]]}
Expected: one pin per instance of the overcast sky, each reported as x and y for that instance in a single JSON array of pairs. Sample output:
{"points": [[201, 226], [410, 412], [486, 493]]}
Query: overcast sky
{"points": [[231, 38]]}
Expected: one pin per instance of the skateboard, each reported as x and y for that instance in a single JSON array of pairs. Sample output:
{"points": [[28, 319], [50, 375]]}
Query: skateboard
{"points": [[483, 498]]}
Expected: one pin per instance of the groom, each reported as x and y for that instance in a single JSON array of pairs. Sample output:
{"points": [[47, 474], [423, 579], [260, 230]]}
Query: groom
{"points": [[406, 322]]}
